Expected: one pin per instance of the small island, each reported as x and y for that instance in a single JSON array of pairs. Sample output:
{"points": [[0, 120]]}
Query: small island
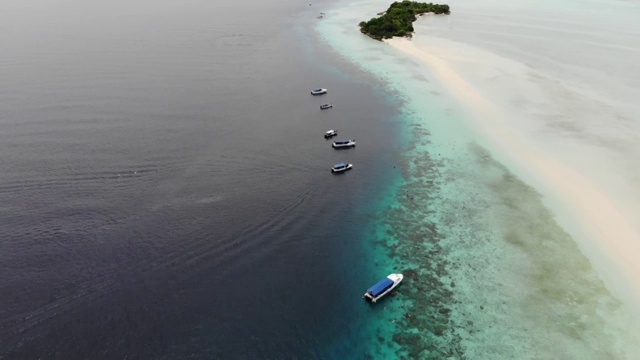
{"points": [[398, 19]]}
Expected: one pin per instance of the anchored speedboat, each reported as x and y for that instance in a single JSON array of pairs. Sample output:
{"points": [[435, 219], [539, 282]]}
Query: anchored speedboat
{"points": [[342, 167], [339, 144], [330, 134], [326, 106], [318, 91], [383, 287]]}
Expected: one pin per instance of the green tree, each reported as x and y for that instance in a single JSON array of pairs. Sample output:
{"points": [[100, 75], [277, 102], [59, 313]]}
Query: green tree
{"points": [[398, 19]]}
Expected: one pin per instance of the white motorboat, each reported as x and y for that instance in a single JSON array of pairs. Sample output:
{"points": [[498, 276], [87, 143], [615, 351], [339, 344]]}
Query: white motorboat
{"points": [[340, 144], [318, 91], [342, 167], [330, 133]]}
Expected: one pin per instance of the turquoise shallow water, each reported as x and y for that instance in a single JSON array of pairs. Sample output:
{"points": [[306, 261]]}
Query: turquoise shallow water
{"points": [[489, 272]]}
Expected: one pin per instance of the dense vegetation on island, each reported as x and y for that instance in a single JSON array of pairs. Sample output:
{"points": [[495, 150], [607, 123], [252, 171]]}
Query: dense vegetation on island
{"points": [[398, 19]]}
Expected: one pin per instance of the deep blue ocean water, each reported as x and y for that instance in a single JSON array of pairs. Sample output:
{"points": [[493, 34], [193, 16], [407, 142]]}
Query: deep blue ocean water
{"points": [[165, 187]]}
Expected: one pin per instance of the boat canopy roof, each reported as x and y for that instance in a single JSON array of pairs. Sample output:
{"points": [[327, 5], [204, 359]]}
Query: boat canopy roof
{"points": [[318, 89], [339, 165], [342, 141], [380, 287]]}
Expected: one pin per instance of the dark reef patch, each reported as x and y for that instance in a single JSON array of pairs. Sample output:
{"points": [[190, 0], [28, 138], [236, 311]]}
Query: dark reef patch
{"points": [[425, 330]]}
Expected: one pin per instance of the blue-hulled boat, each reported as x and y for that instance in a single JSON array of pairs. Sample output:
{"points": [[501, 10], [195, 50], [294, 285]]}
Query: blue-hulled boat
{"points": [[383, 287]]}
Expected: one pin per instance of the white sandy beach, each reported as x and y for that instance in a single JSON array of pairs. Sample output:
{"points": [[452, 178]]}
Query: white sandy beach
{"points": [[607, 227], [564, 138], [528, 111]]}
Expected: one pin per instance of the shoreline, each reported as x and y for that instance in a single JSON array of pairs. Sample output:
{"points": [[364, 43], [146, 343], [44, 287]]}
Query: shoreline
{"points": [[497, 263], [609, 238]]}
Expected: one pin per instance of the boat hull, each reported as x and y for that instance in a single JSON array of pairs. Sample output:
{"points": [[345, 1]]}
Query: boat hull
{"points": [[350, 144], [337, 171]]}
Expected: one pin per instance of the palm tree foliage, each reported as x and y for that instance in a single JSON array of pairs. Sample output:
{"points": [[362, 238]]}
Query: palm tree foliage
{"points": [[398, 19]]}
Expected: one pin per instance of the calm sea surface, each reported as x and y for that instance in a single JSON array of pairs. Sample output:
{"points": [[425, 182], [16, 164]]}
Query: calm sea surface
{"points": [[165, 188]]}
